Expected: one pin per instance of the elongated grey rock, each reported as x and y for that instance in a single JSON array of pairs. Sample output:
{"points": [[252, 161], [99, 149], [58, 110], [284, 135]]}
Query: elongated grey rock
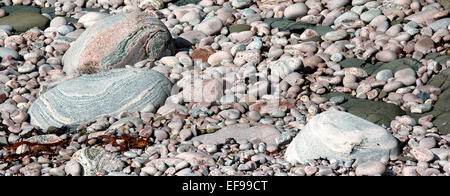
{"points": [[260, 133], [116, 41], [342, 136], [107, 93]]}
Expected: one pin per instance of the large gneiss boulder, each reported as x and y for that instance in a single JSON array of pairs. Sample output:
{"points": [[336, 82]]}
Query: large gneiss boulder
{"points": [[106, 93], [116, 41], [342, 136]]}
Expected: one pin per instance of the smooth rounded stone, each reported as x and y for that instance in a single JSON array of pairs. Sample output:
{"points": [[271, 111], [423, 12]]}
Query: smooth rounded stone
{"points": [[295, 10], [24, 21], [277, 113], [191, 17], [117, 41], [256, 44], [58, 21], [346, 17], [65, 29], [91, 96], [135, 120], [211, 148], [27, 68], [337, 4], [241, 37], [380, 22], [91, 18], [73, 168], [442, 23], [386, 55], [406, 76], [210, 26], [196, 158], [254, 115], [357, 72], [343, 137], [283, 67], [335, 35], [94, 159], [337, 57], [150, 170], [185, 134], [218, 57], [369, 15], [424, 45], [370, 168], [411, 28], [4, 52], [7, 108], [231, 114], [256, 134], [384, 75], [422, 154], [428, 143], [392, 86], [241, 3], [292, 78]]}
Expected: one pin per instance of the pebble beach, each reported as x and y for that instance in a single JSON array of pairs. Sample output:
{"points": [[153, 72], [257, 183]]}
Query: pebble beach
{"points": [[224, 88]]}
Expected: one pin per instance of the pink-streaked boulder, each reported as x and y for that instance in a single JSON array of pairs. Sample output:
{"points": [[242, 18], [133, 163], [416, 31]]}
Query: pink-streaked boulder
{"points": [[116, 41]]}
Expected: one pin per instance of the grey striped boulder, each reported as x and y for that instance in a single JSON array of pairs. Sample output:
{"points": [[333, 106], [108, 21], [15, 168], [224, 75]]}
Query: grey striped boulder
{"points": [[116, 41], [102, 94]]}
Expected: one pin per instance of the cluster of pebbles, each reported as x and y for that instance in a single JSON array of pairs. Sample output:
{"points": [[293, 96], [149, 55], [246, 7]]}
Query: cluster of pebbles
{"points": [[246, 77]]}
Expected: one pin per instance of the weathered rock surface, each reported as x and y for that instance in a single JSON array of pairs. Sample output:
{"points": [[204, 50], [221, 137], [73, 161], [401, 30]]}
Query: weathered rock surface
{"points": [[94, 159], [106, 93], [260, 133], [116, 41], [343, 137]]}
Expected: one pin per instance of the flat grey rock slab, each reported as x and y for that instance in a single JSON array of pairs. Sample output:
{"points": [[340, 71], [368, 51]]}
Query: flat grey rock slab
{"points": [[103, 94], [342, 136], [116, 41], [94, 159], [259, 133]]}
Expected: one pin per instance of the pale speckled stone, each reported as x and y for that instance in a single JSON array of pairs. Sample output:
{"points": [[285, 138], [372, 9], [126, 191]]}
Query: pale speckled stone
{"points": [[106, 93], [343, 137], [370, 168], [260, 133]]}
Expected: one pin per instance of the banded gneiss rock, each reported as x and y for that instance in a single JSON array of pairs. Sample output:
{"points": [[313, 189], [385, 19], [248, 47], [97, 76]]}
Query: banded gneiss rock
{"points": [[106, 93]]}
